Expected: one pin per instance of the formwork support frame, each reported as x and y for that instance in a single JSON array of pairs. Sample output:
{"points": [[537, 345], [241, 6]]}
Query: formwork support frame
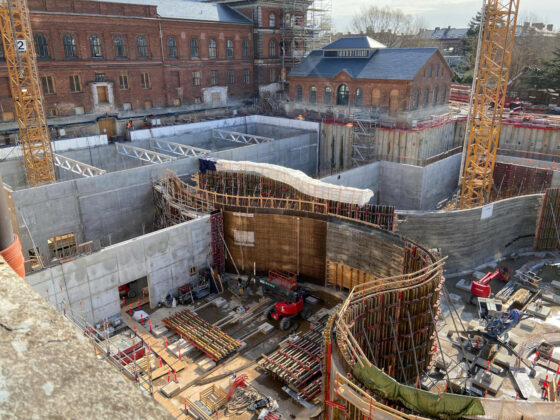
{"points": [[76, 166]]}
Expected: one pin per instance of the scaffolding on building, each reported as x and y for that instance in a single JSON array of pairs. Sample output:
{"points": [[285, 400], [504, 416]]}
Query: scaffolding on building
{"points": [[306, 26]]}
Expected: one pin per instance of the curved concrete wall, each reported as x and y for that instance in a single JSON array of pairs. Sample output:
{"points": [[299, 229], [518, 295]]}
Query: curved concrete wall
{"points": [[470, 240]]}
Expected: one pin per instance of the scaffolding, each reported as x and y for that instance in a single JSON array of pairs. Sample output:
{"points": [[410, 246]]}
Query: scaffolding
{"points": [[363, 140], [306, 26]]}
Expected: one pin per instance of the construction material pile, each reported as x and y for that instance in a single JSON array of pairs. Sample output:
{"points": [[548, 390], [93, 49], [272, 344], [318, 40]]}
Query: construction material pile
{"points": [[297, 362], [209, 339]]}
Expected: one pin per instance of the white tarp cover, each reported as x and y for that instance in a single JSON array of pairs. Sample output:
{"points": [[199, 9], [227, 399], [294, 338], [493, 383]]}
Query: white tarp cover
{"points": [[299, 181]]}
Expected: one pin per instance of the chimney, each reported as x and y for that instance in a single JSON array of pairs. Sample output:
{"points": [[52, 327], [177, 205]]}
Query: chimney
{"points": [[549, 27], [437, 28]]}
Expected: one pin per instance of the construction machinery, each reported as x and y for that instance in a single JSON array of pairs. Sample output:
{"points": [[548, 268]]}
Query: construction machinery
{"points": [[19, 51], [490, 82], [482, 288], [282, 286]]}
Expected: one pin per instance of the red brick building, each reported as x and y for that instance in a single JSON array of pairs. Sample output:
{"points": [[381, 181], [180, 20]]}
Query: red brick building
{"points": [[105, 57], [359, 71]]}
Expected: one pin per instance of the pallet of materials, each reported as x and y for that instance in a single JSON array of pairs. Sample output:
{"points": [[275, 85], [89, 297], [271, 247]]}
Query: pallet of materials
{"points": [[298, 363], [209, 339]]}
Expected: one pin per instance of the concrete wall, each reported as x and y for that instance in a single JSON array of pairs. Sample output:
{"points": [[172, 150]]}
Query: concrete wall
{"points": [[468, 240], [13, 168], [439, 181], [118, 205], [366, 176], [90, 283], [406, 187]]}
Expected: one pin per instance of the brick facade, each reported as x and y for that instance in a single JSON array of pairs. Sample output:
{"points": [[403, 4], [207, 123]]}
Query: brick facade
{"points": [[110, 83], [391, 95]]}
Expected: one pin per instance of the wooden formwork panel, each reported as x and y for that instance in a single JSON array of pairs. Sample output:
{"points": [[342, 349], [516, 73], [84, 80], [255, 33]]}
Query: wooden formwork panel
{"points": [[286, 242], [512, 180], [548, 225], [341, 276]]}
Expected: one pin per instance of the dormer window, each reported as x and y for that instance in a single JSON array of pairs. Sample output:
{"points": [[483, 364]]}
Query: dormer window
{"points": [[346, 53]]}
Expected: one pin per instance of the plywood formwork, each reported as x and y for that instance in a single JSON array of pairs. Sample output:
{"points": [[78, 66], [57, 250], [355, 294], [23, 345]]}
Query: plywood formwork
{"points": [[547, 235], [291, 242], [512, 180]]}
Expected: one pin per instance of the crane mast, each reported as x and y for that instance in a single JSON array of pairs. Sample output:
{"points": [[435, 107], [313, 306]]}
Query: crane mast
{"points": [[490, 83], [19, 51]]}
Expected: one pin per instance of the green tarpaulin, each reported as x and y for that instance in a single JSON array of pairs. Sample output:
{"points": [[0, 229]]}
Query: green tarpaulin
{"points": [[428, 403]]}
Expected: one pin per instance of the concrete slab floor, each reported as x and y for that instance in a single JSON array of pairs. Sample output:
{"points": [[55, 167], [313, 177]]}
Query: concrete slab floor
{"points": [[257, 345], [528, 340]]}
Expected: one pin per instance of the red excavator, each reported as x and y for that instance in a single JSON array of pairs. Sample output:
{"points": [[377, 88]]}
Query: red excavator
{"points": [[481, 288]]}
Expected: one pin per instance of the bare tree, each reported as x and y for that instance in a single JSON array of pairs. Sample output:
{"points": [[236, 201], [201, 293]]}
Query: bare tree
{"points": [[389, 26]]}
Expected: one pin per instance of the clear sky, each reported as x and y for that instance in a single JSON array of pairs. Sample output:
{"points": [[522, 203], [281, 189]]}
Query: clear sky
{"points": [[455, 13]]}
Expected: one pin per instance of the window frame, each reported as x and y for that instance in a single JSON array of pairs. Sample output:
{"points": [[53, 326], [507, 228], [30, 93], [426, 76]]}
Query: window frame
{"points": [[196, 78], [141, 50], [123, 81], [172, 48], [359, 97], [212, 48], [272, 48], [299, 93], [229, 49], [245, 48], [95, 46], [145, 80], [73, 78], [118, 44], [214, 78], [193, 47], [69, 45], [42, 50], [312, 94], [230, 77], [246, 76], [327, 95], [272, 20], [51, 88]]}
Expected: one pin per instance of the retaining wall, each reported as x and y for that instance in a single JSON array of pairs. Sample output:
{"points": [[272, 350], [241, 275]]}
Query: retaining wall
{"points": [[90, 283], [470, 240]]}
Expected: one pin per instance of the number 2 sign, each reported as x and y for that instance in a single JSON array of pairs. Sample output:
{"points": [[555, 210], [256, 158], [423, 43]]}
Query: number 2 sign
{"points": [[21, 45]]}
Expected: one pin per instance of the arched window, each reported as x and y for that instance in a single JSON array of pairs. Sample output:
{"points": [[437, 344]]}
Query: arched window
{"points": [[443, 93], [142, 47], [194, 47], [394, 100], [69, 46], [434, 96], [229, 48], [425, 100], [437, 70], [327, 96], [359, 97], [95, 46], [120, 50], [272, 48], [416, 99], [376, 97], [171, 47], [41, 46], [431, 70], [299, 93], [272, 20], [212, 52], [313, 94], [342, 94]]}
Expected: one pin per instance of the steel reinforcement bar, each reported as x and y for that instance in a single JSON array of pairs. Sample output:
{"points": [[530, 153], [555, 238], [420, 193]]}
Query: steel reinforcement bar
{"points": [[209, 339]]}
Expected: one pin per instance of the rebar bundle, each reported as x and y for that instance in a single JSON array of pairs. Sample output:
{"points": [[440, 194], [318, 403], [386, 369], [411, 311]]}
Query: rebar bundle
{"points": [[298, 364]]}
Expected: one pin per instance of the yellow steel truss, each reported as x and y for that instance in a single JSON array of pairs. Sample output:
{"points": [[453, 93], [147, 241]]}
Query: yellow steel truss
{"points": [[19, 51], [487, 101]]}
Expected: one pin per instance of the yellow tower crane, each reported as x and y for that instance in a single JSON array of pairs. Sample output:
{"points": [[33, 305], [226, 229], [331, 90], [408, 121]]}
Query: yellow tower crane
{"points": [[19, 51], [495, 47]]}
